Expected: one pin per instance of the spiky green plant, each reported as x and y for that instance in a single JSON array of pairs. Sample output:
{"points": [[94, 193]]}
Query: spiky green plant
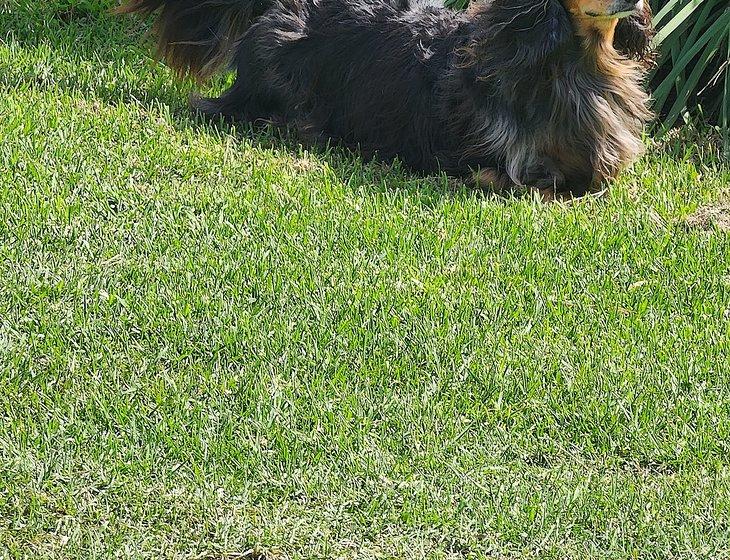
{"points": [[692, 76]]}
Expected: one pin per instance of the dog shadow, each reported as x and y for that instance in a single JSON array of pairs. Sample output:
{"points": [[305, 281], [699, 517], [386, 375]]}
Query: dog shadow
{"points": [[91, 37]]}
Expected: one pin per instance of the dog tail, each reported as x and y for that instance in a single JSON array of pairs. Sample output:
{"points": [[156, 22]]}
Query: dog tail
{"points": [[197, 37]]}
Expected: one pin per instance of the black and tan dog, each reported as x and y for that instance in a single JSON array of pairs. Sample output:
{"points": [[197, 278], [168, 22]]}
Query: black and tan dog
{"points": [[537, 93]]}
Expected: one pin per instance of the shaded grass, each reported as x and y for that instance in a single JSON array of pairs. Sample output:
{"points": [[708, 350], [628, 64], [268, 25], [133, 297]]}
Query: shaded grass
{"points": [[219, 344]]}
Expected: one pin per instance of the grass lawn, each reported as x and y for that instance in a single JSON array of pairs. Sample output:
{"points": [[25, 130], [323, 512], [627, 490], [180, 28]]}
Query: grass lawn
{"points": [[215, 344]]}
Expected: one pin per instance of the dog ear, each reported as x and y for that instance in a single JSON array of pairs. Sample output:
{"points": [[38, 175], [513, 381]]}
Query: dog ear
{"points": [[521, 33], [634, 34]]}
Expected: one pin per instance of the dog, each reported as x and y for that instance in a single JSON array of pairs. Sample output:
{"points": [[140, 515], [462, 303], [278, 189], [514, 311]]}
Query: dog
{"points": [[537, 94]]}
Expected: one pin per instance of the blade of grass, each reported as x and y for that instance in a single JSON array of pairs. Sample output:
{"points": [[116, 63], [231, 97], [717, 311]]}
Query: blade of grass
{"points": [[680, 18], [708, 54], [665, 11], [662, 91], [676, 52], [700, 21], [726, 104]]}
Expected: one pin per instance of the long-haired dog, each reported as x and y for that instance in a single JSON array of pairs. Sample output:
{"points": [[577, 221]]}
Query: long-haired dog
{"points": [[537, 93]]}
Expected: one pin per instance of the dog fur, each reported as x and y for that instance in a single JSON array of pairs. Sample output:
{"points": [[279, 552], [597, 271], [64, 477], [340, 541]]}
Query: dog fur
{"points": [[510, 92]]}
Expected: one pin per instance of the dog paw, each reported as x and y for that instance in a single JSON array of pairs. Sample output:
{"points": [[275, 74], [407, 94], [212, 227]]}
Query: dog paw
{"points": [[545, 175], [493, 179], [546, 180]]}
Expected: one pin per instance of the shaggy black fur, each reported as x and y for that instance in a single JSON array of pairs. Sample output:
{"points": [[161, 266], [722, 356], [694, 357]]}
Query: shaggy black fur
{"points": [[506, 87]]}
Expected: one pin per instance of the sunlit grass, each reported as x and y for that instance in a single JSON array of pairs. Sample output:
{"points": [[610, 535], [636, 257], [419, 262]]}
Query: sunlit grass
{"points": [[217, 344]]}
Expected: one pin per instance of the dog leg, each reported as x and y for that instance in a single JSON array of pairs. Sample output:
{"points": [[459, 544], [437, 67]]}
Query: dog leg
{"points": [[238, 103], [248, 99]]}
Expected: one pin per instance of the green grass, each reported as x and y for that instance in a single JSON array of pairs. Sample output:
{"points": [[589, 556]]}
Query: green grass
{"points": [[216, 344]]}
